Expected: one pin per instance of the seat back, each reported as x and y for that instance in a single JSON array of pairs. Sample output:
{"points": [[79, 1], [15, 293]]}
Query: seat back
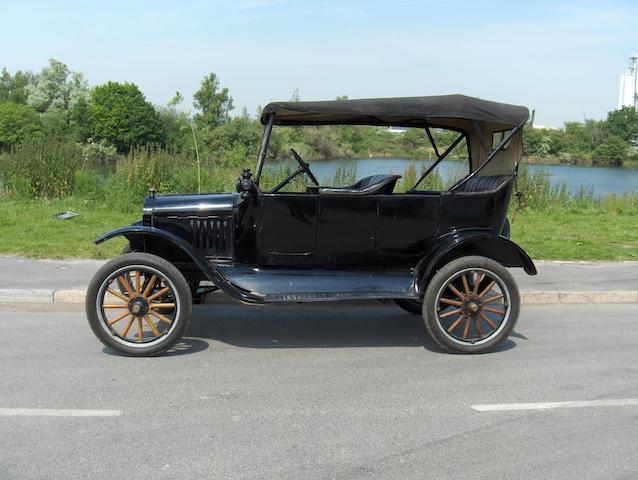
{"points": [[484, 184], [371, 185]]}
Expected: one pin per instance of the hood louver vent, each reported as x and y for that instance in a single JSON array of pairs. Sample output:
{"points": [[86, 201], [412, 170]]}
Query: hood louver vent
{"points": [[214, 236]]}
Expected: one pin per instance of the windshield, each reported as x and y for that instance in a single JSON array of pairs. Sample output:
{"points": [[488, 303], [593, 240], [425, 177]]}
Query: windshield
{"points": [[340, 155]]}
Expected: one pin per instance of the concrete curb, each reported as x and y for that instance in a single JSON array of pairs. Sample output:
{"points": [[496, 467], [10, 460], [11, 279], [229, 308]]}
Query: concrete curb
{"points": [[25, 295], [77, 296]]}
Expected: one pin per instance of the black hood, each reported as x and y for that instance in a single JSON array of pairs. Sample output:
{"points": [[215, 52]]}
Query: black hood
{"points": [[202, 205]]}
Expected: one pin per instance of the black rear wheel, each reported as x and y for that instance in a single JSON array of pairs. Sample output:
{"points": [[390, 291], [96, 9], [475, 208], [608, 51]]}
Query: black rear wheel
{"points": [[471, 305]]}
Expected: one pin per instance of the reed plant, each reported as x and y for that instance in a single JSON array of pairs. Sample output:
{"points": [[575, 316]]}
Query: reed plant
{"points": [[40, 168]]}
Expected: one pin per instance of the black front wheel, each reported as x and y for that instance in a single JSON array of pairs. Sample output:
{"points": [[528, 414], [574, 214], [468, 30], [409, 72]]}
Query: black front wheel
{"points": [[471, 305], [139, 304]]}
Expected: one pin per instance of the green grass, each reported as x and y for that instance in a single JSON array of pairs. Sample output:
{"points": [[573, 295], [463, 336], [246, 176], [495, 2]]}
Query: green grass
{"points": [[27, 228], [570, 232]]}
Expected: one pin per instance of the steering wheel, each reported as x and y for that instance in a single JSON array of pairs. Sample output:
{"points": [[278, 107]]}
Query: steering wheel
{"points": [[304, 166]]}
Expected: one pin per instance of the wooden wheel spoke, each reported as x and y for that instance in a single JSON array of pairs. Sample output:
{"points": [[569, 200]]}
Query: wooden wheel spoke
{"points": [[124, 282], [149, 286], [488, 321], [494, 310], [451, 312], [152, 327], [449, 301], [466, 328], [466, 285], [478, 278], [494, 298], [128, 326], [455, 323], [159, 293], [117, 319], [122, 305], [161, 317], [118, 294], [140, 332], [477, 324], [138, 288], [488, 288], [456, 291], [161, 305]]}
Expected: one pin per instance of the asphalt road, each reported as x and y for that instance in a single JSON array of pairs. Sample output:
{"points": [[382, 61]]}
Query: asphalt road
{"points": [[319, 391]]}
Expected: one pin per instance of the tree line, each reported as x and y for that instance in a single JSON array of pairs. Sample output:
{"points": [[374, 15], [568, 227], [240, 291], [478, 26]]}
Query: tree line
{"points": [[611, 141], [109, 121]]}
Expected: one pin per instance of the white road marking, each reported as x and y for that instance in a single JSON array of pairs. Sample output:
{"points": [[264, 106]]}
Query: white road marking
{"points": [[621, 402], [48, 412]]}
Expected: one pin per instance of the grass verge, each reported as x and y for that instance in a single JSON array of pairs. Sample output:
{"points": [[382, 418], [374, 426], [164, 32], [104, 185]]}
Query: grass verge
{"points": [[29, 230]]}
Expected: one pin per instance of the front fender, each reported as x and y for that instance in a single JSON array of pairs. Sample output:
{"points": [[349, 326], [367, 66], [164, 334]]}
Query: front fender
{"points": [[465, 243], [137, 234]]}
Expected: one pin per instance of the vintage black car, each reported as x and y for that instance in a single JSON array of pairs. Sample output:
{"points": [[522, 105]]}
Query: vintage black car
{"points": [[439, 254]]}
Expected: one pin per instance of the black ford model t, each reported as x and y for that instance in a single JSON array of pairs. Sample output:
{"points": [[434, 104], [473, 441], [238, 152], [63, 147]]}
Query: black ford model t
{"points": [[439, 254]]}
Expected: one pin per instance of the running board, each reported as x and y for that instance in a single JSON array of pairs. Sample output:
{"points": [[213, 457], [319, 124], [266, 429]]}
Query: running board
{"points": [[316, 285]]}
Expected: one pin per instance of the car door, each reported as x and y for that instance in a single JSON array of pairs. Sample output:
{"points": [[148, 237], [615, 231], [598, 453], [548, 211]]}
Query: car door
{"points": [[287, 224], [346, 228], [407, 223]]}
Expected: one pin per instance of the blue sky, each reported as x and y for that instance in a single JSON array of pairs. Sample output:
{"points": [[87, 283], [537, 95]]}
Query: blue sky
{"points": [[561, 58]]}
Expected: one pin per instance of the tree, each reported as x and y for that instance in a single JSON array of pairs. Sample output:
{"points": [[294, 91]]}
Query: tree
{"points": [[80, 120], [624, 124], [537, 141], [240, 132], [176, 124], [578, 140], [215, 105], [120, 114], [17, 123], [614, 150], [56, 88], [13, 88]]}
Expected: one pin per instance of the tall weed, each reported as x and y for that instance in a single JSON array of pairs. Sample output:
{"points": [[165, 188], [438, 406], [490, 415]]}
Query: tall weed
{"points": [[40, 168]]}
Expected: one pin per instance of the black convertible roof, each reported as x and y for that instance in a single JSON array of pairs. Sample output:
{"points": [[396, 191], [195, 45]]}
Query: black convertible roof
{"points": [[442, 110]]}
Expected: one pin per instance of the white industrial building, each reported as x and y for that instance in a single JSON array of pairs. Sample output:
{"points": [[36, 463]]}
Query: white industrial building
{"points": [[628, 93]]}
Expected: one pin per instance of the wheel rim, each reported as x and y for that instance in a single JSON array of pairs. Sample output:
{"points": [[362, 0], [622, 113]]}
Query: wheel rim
{"points": [[142, 315], [472, 306]]}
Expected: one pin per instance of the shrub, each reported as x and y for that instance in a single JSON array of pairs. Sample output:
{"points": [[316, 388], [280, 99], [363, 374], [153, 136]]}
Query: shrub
{"points": [[88, 185], [98, 154], [614, 150], [41, 168], [18, 123]]}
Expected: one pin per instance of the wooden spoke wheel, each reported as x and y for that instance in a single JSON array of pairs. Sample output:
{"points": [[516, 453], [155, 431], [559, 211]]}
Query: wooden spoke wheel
{"points": [[472, 305], [139, 304]]}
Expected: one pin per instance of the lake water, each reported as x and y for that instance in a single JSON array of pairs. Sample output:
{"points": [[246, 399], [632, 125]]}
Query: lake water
{"points": [[601, 179]]}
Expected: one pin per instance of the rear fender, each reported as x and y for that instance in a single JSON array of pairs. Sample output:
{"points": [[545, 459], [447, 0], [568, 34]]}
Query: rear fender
{"points": [[174, 248], [461, 244]]}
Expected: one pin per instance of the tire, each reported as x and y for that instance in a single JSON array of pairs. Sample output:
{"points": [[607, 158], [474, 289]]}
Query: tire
{"points": [[411, 306], [125, 251], [158, 292], [460, 310], [192, 284]]}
